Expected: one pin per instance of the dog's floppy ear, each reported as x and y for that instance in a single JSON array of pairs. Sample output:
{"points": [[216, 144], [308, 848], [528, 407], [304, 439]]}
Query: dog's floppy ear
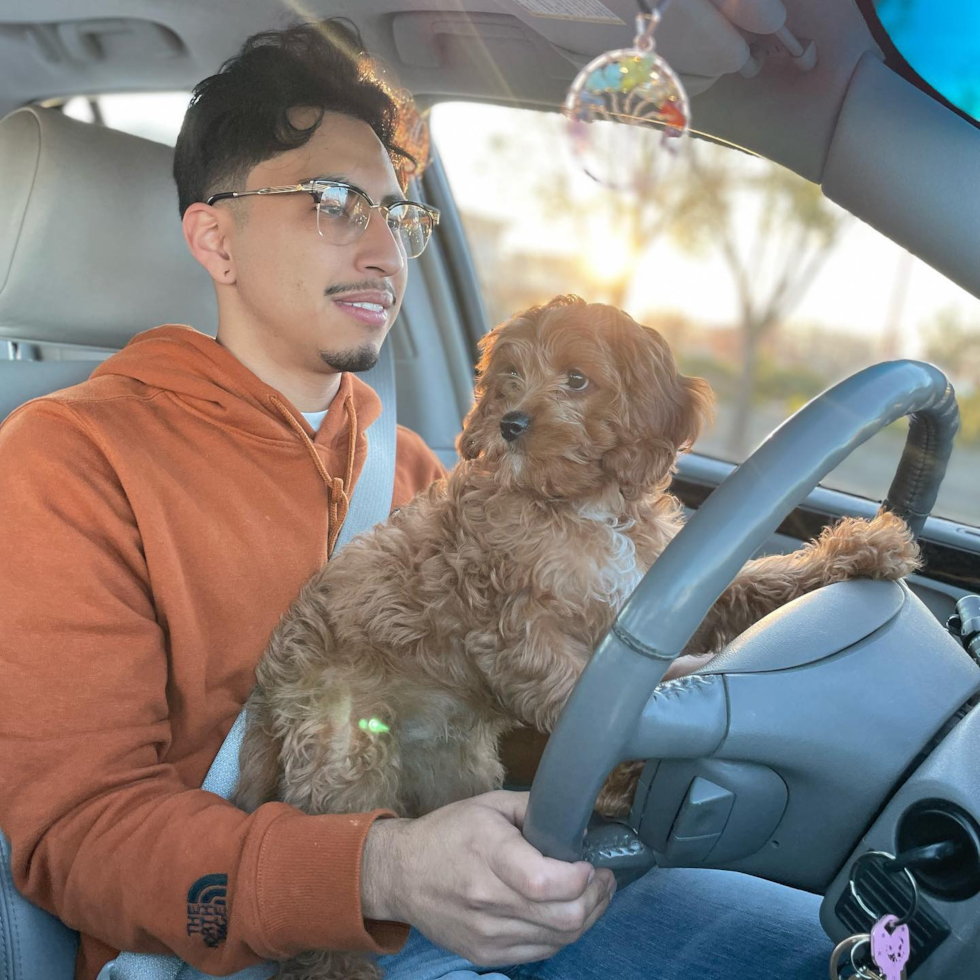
{"points": [[695, 403], [661, 412], [473, 437]]}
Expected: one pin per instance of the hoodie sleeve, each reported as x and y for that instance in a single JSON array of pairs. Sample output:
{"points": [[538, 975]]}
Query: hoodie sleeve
{"points": [[104, 834], [416, 467]]}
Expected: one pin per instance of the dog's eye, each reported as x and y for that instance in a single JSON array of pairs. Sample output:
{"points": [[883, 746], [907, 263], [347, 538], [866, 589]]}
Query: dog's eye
{"points": [[577, 381], [511, 372]]}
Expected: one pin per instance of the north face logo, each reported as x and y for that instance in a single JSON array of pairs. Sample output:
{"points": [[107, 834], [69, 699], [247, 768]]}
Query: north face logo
{"points": [[207, 909]]}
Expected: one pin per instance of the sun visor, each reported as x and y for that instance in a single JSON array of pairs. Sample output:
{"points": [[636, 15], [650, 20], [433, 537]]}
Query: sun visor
{"points": [[534, 47], [91, 249], [700, 39]]}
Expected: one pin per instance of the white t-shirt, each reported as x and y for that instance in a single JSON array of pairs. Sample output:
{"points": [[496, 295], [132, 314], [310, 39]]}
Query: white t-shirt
{"points": [[315, 419]]}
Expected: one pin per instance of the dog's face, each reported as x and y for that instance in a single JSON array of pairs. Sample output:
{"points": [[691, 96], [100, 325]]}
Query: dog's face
{"points": [[575, 397]]}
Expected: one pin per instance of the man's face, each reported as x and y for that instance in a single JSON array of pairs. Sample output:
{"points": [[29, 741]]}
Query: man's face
{"points": [[295, 287]]}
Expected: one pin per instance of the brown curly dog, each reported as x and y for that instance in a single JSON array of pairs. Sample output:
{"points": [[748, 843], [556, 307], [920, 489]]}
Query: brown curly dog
{"points": [[474, 609]]}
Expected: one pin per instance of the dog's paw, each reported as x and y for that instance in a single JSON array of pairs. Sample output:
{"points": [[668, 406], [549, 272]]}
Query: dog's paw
{"points": [[880, 548]]}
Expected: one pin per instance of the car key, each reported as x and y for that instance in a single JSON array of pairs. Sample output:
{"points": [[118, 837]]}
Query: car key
{"points": [[891, 946]]}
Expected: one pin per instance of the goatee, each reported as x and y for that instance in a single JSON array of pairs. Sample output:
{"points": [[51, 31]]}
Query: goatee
{"points": [[355, 359]]}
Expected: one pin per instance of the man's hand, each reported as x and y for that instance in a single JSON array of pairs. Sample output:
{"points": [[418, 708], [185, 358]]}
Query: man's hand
{"points": [[685, 665], [465, 877]]}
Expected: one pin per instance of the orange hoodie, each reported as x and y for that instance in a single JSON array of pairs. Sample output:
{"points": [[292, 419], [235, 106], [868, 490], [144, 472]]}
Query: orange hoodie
{"points": [[155, 522]]}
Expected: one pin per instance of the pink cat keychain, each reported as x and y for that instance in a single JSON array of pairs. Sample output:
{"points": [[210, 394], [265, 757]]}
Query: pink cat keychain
{"points": [[890, 947]]}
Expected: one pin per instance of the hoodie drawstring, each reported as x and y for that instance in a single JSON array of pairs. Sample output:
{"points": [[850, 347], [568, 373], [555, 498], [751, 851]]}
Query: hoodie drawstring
{"points": [[338, 499]]}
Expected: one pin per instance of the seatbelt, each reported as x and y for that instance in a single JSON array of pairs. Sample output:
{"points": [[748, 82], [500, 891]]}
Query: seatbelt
{"points": [[40, 947], [370, 503]]}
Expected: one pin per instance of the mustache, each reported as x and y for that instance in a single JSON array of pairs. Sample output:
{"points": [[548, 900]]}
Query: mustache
{"points": [[382, 285]]}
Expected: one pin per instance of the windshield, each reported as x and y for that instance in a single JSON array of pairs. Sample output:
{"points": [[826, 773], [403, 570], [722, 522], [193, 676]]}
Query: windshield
{"points": [[760, 284]]}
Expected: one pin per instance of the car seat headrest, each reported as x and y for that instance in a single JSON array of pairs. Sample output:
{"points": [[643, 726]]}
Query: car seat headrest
{"points": [[91, 249]]}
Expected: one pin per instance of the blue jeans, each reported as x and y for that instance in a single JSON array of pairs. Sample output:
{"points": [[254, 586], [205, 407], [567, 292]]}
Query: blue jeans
{"points": [[672, 924]]}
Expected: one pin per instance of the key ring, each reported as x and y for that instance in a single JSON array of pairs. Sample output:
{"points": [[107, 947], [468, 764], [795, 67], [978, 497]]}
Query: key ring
{"points": [[852, 884], [854, 942], [862, 972]]}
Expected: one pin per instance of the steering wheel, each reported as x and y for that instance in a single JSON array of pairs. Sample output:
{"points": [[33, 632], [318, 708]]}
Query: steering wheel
{"points": [[775, 757]]}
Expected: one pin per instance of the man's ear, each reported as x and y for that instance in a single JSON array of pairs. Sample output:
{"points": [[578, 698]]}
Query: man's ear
{"points": [[205, 231]]}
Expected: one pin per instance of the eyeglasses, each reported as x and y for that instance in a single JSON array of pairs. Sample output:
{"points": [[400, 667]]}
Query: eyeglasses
{"points": [[343, 212]]}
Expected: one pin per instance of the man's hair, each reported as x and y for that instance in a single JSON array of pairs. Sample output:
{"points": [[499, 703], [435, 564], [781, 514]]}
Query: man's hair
{"points": [[239, 117]]}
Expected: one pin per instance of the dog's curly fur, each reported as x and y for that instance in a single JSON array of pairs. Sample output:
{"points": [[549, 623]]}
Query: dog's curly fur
{"points": [[475, 607]]}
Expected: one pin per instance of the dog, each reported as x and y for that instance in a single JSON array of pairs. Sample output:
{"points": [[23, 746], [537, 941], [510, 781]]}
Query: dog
{"points": [[474, 608]]}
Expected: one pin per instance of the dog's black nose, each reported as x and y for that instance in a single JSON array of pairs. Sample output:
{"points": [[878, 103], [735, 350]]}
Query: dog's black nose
{"points": [[513, 424]]}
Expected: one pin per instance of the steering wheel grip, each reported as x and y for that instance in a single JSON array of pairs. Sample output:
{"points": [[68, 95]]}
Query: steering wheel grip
{"points": [[923, 463], [601, 722]]}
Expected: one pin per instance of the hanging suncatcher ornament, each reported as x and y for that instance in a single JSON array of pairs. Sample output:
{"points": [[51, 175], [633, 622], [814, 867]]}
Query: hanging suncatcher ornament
{"points": [[631, 86]]}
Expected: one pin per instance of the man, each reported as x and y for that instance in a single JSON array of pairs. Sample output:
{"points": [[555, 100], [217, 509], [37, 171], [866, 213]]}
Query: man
{"points": [[160, 517], [171, 508]]}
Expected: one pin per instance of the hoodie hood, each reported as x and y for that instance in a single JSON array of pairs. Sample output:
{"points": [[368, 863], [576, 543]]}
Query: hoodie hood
{"points": [[209, 379]]}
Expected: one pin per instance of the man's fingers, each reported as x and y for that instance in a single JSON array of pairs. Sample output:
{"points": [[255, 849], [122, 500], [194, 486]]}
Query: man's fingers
{"points": [[529, 953], [607, 881], [559, 923], [537, 878], [686, 665], [512, 805], [501, 901], [527, 943], [566, 921], [523, 868], [572, 919]]}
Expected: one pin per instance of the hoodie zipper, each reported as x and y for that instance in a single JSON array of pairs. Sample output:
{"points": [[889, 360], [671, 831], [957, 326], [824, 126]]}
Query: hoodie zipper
{"points": [[338, 490]]}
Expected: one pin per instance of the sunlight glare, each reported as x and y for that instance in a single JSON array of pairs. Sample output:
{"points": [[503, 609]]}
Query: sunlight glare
{"points": [[608, 256]]}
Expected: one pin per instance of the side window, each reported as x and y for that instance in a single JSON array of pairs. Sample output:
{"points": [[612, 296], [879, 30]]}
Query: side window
{"points": [[153, 115], [759, 283]]}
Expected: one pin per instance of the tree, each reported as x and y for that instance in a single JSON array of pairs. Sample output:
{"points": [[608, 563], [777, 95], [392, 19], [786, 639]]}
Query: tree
{"points": [[954, 344], [773, 229], [578, 208]]}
